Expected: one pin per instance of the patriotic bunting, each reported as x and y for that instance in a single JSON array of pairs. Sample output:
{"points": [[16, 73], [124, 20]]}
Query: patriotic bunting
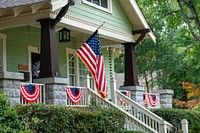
{"points": [[152, 98], [74, 94], [126, 93], [144, 99], [30, 93]]}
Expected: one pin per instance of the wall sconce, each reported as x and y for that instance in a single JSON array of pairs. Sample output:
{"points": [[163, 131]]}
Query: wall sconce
{"points": [[64, 35]]}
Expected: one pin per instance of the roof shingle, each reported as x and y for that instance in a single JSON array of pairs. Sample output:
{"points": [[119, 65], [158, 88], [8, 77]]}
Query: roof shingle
{"points": [[14, 3]]}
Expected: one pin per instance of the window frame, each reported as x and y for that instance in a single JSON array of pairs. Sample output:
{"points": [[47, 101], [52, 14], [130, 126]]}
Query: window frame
{"points": [[109, 9], [3, 38], [76, 67]]}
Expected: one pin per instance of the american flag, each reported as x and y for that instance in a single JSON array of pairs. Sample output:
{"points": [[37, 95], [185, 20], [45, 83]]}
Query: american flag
{"points": [[91, 54]]}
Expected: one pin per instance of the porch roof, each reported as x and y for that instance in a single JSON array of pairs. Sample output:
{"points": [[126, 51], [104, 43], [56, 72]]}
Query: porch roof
{"points": [[14, 3]]}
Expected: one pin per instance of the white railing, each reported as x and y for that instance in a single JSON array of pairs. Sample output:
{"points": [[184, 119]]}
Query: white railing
{"points": [[84, 99], [132, 123], [142, 114], [41, 98]]}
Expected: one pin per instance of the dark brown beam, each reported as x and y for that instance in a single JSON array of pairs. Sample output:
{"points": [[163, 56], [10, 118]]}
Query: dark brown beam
{"points": [[131, 78], [49, 66]]}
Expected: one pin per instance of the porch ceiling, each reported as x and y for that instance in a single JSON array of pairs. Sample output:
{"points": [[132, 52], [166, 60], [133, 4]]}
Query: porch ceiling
{"points": [[82, 36]]}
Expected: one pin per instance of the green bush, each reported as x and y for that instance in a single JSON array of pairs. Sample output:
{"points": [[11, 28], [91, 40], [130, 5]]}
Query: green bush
{"points": [[174, 116], [52, 118], [9, 119]]}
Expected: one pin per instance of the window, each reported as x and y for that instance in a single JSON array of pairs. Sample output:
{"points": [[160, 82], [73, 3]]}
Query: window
{"points": [[2, 52], [104, 5], [76, 70]]}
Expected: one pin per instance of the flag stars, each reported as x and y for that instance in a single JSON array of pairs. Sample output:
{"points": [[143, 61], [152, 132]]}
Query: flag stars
{"points": [[94, 43]]}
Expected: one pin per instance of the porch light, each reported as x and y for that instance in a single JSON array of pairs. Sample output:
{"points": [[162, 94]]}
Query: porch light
{"points": [[64, 35]]}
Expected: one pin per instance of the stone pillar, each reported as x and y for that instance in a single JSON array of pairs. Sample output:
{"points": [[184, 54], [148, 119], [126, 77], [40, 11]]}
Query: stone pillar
{"points": [[165, 98], [10, 84], [136, 93], [55, 89]]}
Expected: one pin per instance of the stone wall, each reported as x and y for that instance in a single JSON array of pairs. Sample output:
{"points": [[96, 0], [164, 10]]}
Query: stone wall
{"points": [[10, 84]]}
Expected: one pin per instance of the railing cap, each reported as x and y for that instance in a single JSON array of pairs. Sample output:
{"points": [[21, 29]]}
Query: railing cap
{"points": [[165, 92], [132, 88]]}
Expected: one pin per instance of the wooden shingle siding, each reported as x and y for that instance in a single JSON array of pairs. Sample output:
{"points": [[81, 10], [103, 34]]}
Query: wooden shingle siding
{"points": [[116, 20]]}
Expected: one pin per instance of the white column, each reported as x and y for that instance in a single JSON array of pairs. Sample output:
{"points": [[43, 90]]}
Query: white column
{"points": [[184, 125], [113, 90], [163, 127]]}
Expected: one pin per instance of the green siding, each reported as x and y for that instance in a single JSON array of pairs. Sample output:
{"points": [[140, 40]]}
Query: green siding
{"points": [[118, 20], [18, 40]]}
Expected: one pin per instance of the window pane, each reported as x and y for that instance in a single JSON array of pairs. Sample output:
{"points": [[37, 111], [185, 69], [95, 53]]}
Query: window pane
{"points": [[71, 64], [104, 3], [72, 80], [97, 2], [71, 71]]}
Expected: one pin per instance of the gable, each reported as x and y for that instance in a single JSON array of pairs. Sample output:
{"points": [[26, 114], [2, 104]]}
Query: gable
{"points": [[116, 20]]}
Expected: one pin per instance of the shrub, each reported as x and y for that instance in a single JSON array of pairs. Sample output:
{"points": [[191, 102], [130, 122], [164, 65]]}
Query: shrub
{"points": [[174, 116], [52, 118], [9, 120]]}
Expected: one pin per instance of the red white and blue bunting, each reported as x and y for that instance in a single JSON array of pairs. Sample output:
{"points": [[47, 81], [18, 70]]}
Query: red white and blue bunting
{"points": [[30, 93], [144, 99], [74, 94], [152, 98], [126, 93]]}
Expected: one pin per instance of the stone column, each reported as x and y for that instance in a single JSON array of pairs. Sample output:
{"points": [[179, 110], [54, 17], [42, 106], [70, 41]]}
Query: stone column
{"points": [[10, 84], [165, 98], [136, 93], [55, 89]]}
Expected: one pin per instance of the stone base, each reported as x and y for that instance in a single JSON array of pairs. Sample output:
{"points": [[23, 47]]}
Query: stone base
{"points": [[165, 98], [10, 84], [55, 90], [136, 93]]}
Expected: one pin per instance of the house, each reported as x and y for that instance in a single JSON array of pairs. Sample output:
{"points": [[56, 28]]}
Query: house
{"points": [[31, 51], [21, 36]]}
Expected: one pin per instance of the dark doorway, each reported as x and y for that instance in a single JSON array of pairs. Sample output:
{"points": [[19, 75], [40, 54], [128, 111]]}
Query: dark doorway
{"points": [[35, 63]]}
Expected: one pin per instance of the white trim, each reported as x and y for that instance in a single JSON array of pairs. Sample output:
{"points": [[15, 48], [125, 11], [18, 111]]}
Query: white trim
{"points": [[31, 49], [3, 37], [109, 9], [142, 19], [89, 27], [72, 51], [58, 4]]}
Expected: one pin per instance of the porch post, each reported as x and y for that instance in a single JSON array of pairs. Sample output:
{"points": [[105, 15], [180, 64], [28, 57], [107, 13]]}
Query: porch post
{"points": [[49, 66], [131, 78]]}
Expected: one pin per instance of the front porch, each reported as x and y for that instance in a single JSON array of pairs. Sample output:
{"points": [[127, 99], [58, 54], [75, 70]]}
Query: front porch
{"points": [[53, 91]]}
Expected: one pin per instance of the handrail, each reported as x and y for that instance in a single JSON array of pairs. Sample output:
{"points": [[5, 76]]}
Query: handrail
{"points": [[141, 113], [132, 122]]}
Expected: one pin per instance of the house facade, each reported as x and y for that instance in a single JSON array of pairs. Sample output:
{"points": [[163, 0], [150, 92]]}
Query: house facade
{"points": [[23, 50]]}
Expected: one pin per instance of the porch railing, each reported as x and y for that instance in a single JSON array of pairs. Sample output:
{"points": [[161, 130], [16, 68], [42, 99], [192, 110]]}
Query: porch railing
{"points": [[84, 100], [41, 99], [138, 118], [154, 122]]}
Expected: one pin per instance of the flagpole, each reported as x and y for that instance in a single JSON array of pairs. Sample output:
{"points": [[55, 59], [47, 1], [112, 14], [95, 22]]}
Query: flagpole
{"points": [[101, 25], [75, 53]]}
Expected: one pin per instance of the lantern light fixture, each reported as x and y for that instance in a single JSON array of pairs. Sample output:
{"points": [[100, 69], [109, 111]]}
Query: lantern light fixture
{"points": [[64, 35]]}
